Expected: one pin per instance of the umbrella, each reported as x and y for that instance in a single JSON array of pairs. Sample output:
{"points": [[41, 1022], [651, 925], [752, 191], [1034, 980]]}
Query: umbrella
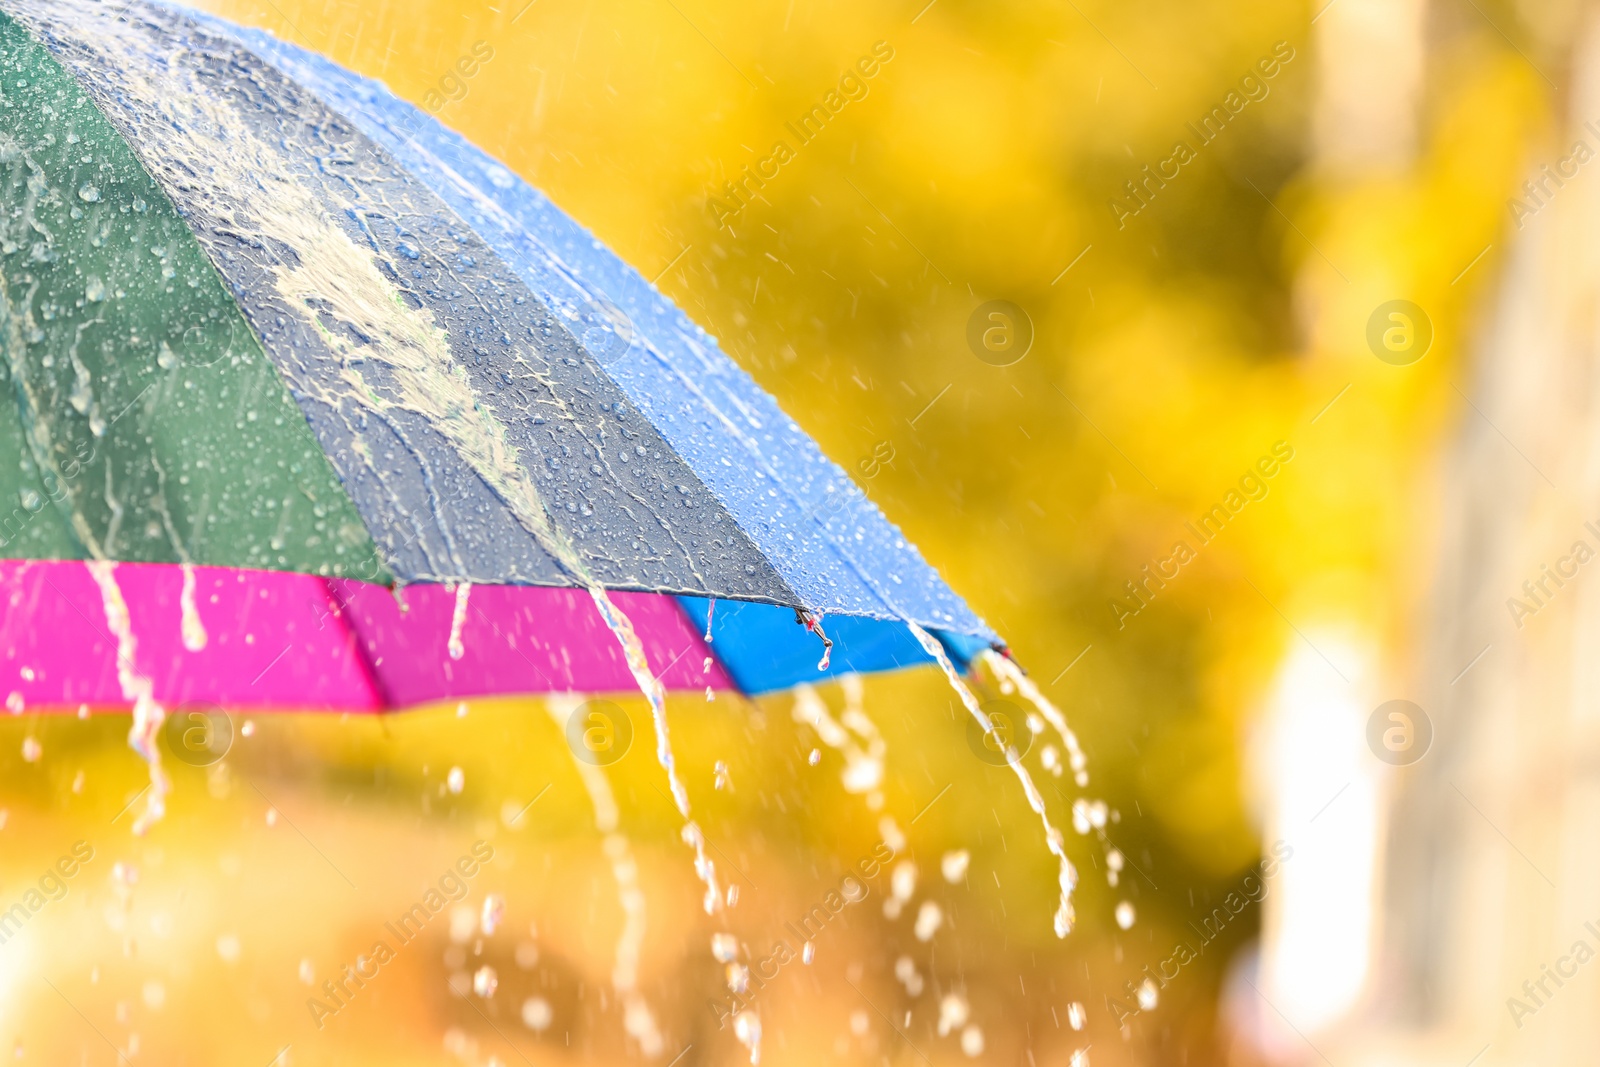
{"points": [[263, 316], [280, 343]]}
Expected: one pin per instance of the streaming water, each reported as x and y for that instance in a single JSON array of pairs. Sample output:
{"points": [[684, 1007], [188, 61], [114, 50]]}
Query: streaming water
{"points": [[1010, 675], [711, 609], [1068, 879], [194, 631], [637, 1018], [458, 619], [656, 694], [147, 714]]}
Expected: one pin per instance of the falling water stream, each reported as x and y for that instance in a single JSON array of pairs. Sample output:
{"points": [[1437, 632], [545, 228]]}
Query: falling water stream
{"points": [[637, 1018], [1064, 917], [458, 619], [633, 649], [1011, 676], [194, 630], [147, 714]]}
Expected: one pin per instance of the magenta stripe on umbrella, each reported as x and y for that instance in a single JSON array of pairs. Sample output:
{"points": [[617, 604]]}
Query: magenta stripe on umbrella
{"points": [[297, 642]]}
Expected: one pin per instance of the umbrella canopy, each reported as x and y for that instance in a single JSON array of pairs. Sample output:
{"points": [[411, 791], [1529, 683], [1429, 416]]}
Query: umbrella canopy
{"points": [[283, 339]]}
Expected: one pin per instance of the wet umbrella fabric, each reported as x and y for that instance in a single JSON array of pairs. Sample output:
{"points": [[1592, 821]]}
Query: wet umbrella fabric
{"points": [[261, 316]]}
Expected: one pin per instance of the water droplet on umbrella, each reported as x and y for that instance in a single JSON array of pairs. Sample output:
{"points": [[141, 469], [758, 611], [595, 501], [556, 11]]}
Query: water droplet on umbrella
{"points": [[954, 865], [724, 947], [815, 757], [88, 193], [15, 703], [929, 918], [456, 779], [808, 953], [94, 289], [720, 777], [228, 948], [249, 728], [31, 749], [1080, 1058], [1149, 996], [1125, 915], [308, 973], [1076, 1016]]}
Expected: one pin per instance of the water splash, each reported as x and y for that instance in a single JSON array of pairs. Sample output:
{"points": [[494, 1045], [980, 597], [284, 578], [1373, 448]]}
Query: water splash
{"points": [[1064, 917], [458, 619], [637, 1018], [147, 714], [656, 694], [194, 631], [863, 769], [1010, 675]]}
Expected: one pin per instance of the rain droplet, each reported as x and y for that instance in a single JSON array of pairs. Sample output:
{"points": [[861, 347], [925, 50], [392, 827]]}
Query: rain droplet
{"points": [[1125, 915], [14, 703], [536, 1014], [808, 953], [929, 918], [954, 865], [494, 910], [721, 778], [1148, 996], [485, 981], [456, 780], [972, 1041], [94, 289], [88, 193], [815, 757], [724, 947], [747, 1028], [31, 749], [1076, 1016]]}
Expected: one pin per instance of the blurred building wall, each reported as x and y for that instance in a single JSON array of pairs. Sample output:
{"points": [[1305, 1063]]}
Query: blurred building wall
{"points": [[1491, 872]]}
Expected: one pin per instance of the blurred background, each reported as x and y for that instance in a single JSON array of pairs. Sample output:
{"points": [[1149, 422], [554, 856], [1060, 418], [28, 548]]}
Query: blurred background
{"points": [[1307, 395]]}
